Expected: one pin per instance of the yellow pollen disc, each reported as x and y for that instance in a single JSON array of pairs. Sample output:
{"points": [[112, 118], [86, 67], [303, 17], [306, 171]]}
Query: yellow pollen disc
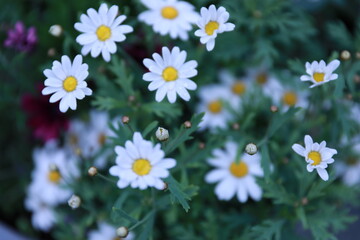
{"points": [[54, 176], [290, 98], [238, 88], [211, 27], [239, 170], [215, 106], [69, 84], [316, 157], [169, 12], [141, 166], [170, 74], [102, 139], [103, 33], [261, 78], [319, 77]]}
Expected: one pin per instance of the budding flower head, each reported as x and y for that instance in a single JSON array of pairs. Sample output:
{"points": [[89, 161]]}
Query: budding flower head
{"points": [[125, 119], [345, 55], [166, 186], [92, 171], [251, 149], [162, 134], [122, 232], [74, 202], [56, 30], [274, 108], [187, 124]]}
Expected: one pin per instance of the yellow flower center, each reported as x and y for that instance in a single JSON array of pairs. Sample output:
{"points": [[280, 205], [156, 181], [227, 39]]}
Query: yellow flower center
{"points": [[319, 77], [54, 176], [238, 88], [239, 169], [141, 167], [170, 74], [102, 139], [261, 78], [215, 106], [69, 84], [315, 156], [169, 12], [211, 27], [290, 98], [103, 33]]}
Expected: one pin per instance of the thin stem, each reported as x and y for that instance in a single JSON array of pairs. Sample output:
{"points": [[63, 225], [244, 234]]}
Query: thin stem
{"points": [[105, 178], [151, 213]]}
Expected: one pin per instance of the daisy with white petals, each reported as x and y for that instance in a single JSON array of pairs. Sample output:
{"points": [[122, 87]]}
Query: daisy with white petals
{"points": [[170, 74], [100, 30], [141, 165], [66, 81], [170, 17], [107, 232], [320, 73], [235, 178], [318, 156], [212, 22]]}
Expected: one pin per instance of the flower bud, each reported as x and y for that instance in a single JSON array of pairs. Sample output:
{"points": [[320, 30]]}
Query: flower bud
{"points": [[166, 186], [345, 55], [251, 149], [274, 108], [236, 126], [92, 171], [125, 119], [202, 145], [162, 134], [56, 30], [187, 124], [122, 232], [74, 202], [51, 52]]}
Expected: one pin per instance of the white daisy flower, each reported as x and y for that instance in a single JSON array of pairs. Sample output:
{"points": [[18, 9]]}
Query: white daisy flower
{"points": [[66, 81], [107, 232], [212, 100], [170, 17], [43, 216], [235, 178], [141, 165], [101, 30], [236, 88], [318, 156], [53, 169], [350, 168], [212, 22], [170, 74], [320, 73]]}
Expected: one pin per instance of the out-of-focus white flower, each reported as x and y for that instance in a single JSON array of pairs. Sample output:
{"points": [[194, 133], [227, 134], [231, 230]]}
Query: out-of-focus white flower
{"points": [[212, 99], [170, 17], [318, 156], [235, 178], [56, 30], [170, 74], [43, 216], [100, 30], [140, 164], [212, 22], [349, 169], [236, 87], [66, 81], [107, 232], [320, 73]]}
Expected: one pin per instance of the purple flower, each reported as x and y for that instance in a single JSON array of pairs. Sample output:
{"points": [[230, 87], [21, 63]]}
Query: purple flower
{"points": [[20, 38]]}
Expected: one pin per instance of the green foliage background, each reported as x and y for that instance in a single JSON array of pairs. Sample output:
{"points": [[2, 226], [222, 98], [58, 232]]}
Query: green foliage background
{"points": [[279, 34]]}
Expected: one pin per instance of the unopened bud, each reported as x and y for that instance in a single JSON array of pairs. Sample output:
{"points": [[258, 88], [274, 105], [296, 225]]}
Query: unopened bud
{"points": [[187, 124], [357, 78], [166, 186], [304, 201], [92, 171], [131, 98], [236, 126], [201, 145], [358, 55], [251, 149], [162, 134], [125, 119], [51, 52], [122, 232], [56, 30], [74, 202], [274, 108], [345, 55]]}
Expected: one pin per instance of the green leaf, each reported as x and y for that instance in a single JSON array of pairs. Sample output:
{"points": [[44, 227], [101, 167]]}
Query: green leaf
{"points": [[268, 230], [108, 103], [265, 161], [150, 128], [177, 194], [117, 213], [147, 227], [123, 79], [184, 133], [163, 109]]}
